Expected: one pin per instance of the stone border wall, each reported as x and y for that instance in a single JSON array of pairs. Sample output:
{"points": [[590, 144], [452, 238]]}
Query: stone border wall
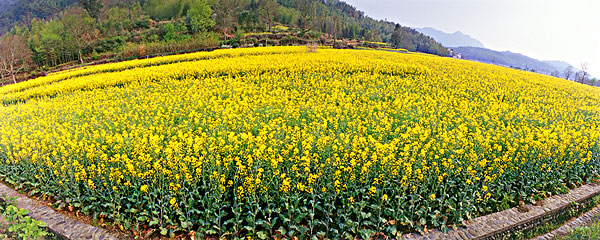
{"points": [[59, 224], [564, 230], [503, 224]]}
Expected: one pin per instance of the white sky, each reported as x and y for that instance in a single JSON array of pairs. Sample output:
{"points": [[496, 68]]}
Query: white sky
{"points": [[567, 30]]}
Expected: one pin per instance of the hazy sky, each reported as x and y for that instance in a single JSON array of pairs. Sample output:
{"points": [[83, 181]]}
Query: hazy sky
{"points": [[567, 30]]}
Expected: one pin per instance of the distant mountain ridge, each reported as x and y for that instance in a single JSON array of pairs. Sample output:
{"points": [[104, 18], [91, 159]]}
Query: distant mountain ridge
{"points": [[514, 60], [469, 48], [559, 64], [457, 39]]}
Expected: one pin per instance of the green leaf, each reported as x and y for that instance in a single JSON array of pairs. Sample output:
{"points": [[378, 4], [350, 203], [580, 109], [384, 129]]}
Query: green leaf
{"points": [[23, 212], [261, 235], [41, 224]]}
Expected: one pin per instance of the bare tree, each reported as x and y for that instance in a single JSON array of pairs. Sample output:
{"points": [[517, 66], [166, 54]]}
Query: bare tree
{"points": [[81, 28], [267, 11], [584, 72], [226, 18], [15, 56], [1, 71], [568, 72], [555, 73]]}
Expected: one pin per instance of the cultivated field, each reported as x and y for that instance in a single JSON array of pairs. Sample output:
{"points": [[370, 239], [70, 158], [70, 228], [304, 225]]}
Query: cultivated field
{"points": [[282, 142]]}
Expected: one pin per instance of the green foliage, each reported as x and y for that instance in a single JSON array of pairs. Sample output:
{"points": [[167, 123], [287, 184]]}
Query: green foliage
{"points": [[200, 41], [50, 44], [199, 17], [174, 31], [116, 22], [286, 15], [168, 9], [21, 226], [79, 28], [585, 232], [575, 210], [248, 20], [92, 7], [23, 11], [143, 23], [411, 40], [109, 44], [168, 32]]}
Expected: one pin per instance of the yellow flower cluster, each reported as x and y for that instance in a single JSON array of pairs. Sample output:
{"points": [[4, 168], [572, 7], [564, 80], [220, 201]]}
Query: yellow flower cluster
{"points": [[271, 123]]}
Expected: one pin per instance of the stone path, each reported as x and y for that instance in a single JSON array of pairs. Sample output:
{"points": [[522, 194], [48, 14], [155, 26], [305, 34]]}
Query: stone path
{"points": [[504, 223], [59, 224], [566, 229]]}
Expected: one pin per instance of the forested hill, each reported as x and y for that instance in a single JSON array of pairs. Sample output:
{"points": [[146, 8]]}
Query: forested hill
{"points": [[345, 21], [22, 11], [333, 17]]}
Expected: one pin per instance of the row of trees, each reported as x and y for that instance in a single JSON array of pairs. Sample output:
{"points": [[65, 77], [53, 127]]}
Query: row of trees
{"points": [[581, 76], [88, 30], [332, 17]]}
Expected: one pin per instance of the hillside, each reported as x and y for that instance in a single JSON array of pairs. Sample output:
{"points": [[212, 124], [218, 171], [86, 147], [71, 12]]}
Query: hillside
{"points": [[510, 59], [23, 11], [559, 65], [330, 16], [457, 39]]}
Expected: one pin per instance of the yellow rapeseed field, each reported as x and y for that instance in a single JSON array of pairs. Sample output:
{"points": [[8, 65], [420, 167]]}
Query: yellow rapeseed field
{"points": [[284, 142]]}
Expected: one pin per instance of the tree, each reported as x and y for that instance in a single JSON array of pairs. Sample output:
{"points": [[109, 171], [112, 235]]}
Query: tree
{"points": [[2, 71], [198, 17], [14, 55], [583, 73], [396, 38], [577, 76], [226, 12], [117, 21], [169, 32], [92, 7], [267, 10], [81, 28], [248, 20], [50, 44], [568, 72]]}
